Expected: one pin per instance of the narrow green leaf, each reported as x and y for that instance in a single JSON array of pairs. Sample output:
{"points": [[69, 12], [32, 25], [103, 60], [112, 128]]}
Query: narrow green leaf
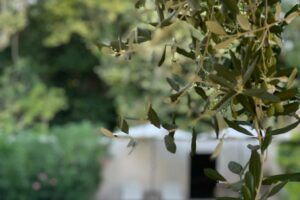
{"points": [[194, 142], [249, 71], [131, 144], [295, 8], [276, 188], [174, 97], [246, 193], [227, 198], [249, 182], [291, 177], [213, 174], [289, 109], [173, 84], [153, 117], [163, 56], [123, 125], [216, 126], [224, 72], [246, 103], [168, 20], [200, 92], [221, 81], [287, 94], [235, 167], [266, 140], [215, 27], [184, 53], [262, 94], [224, 101], [238, 128], [235, 62], [255, 167], [285, 129], [169, 143], [145, 33]]}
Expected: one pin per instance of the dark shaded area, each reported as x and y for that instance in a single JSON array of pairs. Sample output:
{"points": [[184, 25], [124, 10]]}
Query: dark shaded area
{"points": [[200, 185]]}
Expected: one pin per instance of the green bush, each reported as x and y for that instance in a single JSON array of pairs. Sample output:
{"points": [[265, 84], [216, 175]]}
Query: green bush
{"points": [[287, 157], [63, 164]]}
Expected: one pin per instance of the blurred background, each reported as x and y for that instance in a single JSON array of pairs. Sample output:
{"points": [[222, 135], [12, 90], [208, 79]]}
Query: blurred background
{"points": [[58, 88]]}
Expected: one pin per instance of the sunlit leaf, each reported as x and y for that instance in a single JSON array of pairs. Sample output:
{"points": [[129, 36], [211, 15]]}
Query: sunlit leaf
{"points": [[106, 132], [224, 44], [288, 19], [243, 22], [215, 27], [218, 149]]}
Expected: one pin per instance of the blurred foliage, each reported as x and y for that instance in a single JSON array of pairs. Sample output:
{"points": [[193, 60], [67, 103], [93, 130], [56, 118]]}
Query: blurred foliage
{"points": [[26, 102], [64, 33], [146, 83], [287, 157], [291, 48], [62, 165], [12, 19]]}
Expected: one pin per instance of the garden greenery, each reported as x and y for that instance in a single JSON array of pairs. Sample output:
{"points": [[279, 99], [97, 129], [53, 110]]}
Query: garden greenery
{"points": [[63, 164], [227, 52]]}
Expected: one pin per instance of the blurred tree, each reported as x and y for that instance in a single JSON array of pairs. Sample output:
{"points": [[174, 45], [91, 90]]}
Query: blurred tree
{"points": [[64, 33], [26, 102], [12, 20]]}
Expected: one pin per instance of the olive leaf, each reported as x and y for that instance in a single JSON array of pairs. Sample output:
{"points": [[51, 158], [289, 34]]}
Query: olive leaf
{"points": [[215, 27], [170, 143], [153, 117], [243, 22], [106, 132], [213, 174]]}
